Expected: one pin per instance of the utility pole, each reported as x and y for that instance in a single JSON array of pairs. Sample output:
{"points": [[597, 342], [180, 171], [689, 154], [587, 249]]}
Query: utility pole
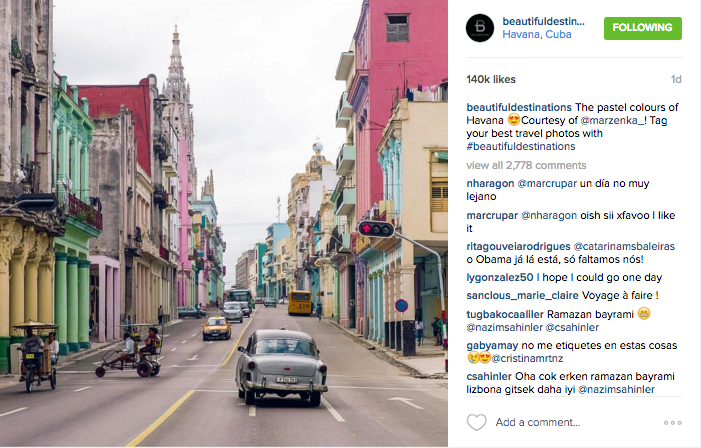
{"points": [[440, 283]]}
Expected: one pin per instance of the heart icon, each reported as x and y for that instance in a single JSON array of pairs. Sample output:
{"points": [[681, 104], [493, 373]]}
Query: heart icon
{"points": [[476, 422]]}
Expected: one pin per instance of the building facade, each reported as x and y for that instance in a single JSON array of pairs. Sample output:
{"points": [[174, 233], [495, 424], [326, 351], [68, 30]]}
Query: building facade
{"points": [[112, 179], [414, 34], [71, 154], [27, 257], [151, 279]]}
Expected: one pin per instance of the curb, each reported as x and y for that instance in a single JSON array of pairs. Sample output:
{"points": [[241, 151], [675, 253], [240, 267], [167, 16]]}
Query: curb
{"points": [[382, 354]]}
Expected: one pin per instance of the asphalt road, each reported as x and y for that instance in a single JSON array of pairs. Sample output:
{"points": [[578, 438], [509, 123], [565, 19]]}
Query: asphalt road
{"points": [[193, 401]]}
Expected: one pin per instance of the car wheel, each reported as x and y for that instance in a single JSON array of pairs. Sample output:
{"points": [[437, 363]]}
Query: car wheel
{"points": [[250, 398], [315, 398], [304, 396], [204, 338], [52, 379], [242, 394]]}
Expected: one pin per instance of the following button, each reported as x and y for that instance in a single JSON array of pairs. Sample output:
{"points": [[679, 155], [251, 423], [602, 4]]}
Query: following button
{"points": [[642, 28]]}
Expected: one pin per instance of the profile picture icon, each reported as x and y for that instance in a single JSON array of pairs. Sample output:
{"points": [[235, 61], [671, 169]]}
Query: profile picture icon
{"points": [[479, 28]]}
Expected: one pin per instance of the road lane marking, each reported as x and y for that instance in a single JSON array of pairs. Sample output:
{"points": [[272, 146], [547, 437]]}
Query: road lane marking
{"points": [[194, 358], [82, 389], [159, 359], [405, 400], [233, 349], [184, 342], [174, 349], [12, 412], [333, 411], [140, 438], [252, 411], [166, 336]]}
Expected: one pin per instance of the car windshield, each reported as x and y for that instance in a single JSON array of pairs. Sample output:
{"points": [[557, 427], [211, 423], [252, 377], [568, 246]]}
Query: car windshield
{"points": [[216, 322], [232, 306], [284, 346]]}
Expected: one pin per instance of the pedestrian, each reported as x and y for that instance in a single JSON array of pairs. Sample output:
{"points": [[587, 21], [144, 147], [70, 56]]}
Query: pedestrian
{"points": [[419, 331], [127, 324], [160, 314], [437, 331], [92, 324], [318, 309]]}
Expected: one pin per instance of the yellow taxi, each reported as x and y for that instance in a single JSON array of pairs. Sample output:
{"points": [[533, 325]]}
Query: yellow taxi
{"points": [[215, 328]]}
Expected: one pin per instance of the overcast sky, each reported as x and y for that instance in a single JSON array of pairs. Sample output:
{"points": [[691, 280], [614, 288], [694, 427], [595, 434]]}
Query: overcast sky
{"points": [[261, 75]]}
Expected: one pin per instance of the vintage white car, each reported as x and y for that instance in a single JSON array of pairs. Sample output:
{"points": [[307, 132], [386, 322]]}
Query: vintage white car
{"points": [[280, 362]]}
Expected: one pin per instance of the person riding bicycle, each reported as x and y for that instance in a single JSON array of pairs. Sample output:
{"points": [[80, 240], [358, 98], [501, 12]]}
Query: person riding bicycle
{"points": [[152, 343], [31, 344], [127, 354]]}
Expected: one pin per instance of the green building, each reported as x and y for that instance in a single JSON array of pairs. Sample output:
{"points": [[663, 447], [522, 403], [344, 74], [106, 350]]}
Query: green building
{"points": [[71, 157]]}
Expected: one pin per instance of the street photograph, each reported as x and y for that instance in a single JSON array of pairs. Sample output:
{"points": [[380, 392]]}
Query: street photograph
{"points": [[223, 223]]}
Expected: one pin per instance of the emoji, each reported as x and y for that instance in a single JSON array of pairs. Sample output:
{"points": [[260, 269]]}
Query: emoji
{"points": [[473, 357], [514, 118], [485, 357], [644, 313]]}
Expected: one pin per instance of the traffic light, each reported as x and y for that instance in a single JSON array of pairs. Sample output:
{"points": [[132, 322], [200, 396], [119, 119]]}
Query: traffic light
{"points": [[376, 229], [40, 202]]}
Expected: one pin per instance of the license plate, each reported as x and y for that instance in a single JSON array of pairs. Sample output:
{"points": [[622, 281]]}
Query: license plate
{"points": [[29, 356], [286, 379]]}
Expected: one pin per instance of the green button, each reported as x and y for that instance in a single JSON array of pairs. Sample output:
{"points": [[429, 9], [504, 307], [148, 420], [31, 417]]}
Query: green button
{"points": [[642, 28]]}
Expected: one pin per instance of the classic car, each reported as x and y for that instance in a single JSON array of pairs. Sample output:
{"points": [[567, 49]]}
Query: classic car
{"points": [[269, 301], [280, 362], [189, 311], [233, 311], [215, 328]]}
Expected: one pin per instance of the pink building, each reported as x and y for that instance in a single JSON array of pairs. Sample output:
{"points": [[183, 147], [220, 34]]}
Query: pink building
{"points": [[399, 44], [178, 113]]}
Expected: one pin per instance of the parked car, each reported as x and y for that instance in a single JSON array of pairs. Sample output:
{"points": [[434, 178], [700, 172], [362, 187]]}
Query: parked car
{"points": [[260, 300], [280, 362], [233, 311], [189, 311], [269, 301], [215, 328]]}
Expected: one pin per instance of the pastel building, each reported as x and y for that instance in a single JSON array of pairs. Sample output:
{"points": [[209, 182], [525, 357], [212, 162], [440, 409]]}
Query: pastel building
{"points": [[71, 154], [392, 37]]}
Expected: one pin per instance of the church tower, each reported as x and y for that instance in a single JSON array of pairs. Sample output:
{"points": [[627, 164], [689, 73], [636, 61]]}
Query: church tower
{"points": [[179, 109]]}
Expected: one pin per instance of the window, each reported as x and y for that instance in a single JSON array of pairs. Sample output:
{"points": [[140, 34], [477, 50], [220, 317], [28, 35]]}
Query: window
{"points": [[398, 28], [439, 195]]}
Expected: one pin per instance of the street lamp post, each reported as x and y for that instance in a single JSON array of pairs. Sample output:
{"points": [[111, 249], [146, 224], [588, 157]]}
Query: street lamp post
{"points": [[440, 283]]}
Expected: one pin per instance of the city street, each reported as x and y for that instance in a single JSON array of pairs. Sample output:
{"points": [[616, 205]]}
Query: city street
{"points": [[193, 401]]}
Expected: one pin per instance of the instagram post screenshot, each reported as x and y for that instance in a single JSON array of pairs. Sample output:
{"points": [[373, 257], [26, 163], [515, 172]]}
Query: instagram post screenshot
{"points": [[575, 224], [225, 223]]}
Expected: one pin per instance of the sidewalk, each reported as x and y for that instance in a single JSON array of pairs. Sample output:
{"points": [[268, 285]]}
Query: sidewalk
{"points": [[429, 361], [64, 361]]}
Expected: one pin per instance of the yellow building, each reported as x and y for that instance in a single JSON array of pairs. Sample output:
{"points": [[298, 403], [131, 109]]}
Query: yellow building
{"points": [[413, 153]]}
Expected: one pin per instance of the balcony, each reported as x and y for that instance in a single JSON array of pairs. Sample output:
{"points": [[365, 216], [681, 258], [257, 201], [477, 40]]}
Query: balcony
{"points": [[170, 206], [344, 112], [84, 212], [133, 245], [345, 64], [346, 201], [169, 167], [160, 146], [345, 162]]}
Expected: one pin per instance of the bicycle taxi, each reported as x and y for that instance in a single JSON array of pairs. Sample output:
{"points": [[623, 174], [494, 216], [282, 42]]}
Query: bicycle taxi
{"points": [[145, 365], [36, 361]]}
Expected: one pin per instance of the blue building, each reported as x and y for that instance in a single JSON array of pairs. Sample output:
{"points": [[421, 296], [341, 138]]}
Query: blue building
{"points": [[276, 232]]}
